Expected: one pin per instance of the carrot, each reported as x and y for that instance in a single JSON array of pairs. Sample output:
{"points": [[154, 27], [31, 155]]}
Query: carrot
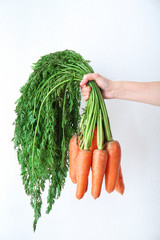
{"points": [[114, 156], [120, 183], [73, 150], [99, 162], [94, 140], [83, 161], [86, 186]]}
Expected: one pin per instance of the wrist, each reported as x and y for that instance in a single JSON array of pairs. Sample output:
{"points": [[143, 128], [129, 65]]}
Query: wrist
{"points": [[115, 90], [118, 89]]}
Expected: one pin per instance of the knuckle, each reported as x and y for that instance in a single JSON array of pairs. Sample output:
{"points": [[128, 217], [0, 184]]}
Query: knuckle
{"points": [[96, 75]]}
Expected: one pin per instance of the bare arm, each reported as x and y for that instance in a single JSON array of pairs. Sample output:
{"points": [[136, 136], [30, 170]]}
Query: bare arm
{"points": [[146, 92]]}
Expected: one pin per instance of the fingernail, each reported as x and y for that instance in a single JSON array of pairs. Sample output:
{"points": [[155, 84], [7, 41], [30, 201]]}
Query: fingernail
{"points": [[83, 81]]}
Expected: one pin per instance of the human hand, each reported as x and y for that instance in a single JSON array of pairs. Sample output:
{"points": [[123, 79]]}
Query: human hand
{"points": [[146, 92], [104, 84]]}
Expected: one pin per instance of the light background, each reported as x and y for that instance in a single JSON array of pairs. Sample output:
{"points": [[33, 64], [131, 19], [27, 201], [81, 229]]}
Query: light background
{"points": [[122, 40]]}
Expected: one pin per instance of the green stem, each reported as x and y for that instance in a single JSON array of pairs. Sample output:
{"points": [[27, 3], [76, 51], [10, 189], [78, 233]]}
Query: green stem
{"points": [[63, 126], [73, 68], [99, 131], [40, 88], [36, 129], [107, 128], [89, 120], [94, 115]]}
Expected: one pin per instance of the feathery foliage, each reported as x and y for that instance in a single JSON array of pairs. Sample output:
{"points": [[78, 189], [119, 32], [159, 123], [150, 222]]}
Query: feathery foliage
{"points": [[47, 117]]}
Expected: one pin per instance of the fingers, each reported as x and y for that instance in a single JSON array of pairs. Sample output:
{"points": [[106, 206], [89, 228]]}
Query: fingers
{"points": [[89, 77], [85, 92]]}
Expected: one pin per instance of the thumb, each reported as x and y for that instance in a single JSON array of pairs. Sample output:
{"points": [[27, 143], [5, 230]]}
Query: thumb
{"points": [[88, 77]]}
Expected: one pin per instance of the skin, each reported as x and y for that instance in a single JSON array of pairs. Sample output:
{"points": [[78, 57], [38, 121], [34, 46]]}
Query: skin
{"points": [[99, 162], [146, 92], [120, 183], [83, 160], [73, 151], [113, 164]]}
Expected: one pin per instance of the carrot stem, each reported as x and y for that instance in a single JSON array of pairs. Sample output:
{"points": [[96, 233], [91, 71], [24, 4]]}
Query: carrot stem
{"points": [[89, 120], [94, 113], [99, 131], [107, 128]]}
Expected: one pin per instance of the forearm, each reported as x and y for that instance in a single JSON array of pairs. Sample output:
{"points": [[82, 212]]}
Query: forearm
{"points": [[146, 92]]}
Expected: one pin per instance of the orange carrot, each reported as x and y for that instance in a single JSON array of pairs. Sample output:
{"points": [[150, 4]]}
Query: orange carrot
{"points": [[112, 170], [73, 150], [120, 183], [86, 186], [99, 162], [83, 161], [94, 141]]}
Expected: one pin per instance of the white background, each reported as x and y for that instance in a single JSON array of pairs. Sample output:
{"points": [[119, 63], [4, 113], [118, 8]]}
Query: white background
{"points": [[122, 39]]}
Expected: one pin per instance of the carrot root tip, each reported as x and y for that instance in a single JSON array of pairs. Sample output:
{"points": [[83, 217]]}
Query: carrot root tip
{"points": [[79, 196], [74, 182], [95, 197], [109, 190]]}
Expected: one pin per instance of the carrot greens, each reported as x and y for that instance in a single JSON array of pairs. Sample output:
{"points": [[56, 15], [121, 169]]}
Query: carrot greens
{"points": [[47, 117]]}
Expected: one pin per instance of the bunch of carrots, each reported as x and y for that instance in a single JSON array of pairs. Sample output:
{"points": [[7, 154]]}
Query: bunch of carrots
{"points": [[94, 148]]}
